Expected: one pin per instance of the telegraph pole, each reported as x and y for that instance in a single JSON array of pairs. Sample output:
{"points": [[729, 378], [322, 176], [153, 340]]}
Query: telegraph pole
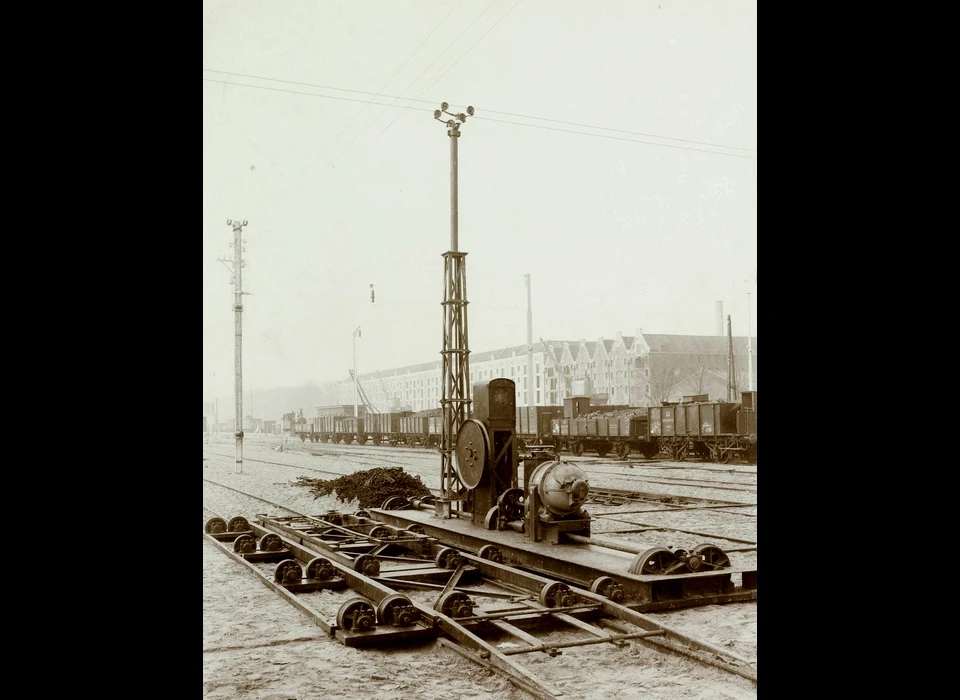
{"points": [[731, 367], [238, 292], [455, 377], [530, 394]]}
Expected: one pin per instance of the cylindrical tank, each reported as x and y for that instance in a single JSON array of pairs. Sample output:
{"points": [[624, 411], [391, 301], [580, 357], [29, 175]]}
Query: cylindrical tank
{"points": [[561, 487]]}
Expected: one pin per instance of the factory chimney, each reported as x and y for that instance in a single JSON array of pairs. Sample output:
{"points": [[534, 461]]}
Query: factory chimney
{"points": [[720, 318]]}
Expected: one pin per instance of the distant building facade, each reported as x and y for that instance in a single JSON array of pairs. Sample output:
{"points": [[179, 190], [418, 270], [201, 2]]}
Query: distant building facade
{"points": [[639, 370]]}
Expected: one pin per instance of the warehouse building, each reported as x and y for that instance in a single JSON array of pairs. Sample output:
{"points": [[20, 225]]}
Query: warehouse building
{"points": [[638, 370]]}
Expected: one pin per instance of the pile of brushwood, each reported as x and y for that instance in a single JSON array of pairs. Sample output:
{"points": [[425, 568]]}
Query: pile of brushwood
{"points": [[369, 488]]}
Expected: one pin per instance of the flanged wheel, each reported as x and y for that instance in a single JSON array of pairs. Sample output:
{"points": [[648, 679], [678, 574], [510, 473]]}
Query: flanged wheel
{"points": [[491, 553], [492, 519], [455, 604], [245, 544], [416, 528], [288, 571], [712, 556], [238, 524], [271, 543], [657, 560], [395, 503], [380, 532], [396, 610], [366, 565], [320, 569], [608, 588], [557, 595], [357, 615], [510, 504], [215, 526], [448, 558], [578, 448], [622, 450]]}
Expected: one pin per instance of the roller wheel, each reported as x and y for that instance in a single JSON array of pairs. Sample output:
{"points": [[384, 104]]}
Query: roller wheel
{"points": [[320, 569], [490, 553], [271, 543], [712, 556], [656, 561], [418, 529], [380, 532], [366, 565], [245, 544], [396, 610], [357, 615], [238, 524], [215, 526], [608, 588], [395, 503], [288, 571], [557, 595], [455, 604], [448, 558], [362, 514]]}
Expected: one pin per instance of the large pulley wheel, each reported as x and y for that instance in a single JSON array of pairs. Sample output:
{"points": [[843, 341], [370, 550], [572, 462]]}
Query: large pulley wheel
{"points": [[473, 450], [357, 615]]}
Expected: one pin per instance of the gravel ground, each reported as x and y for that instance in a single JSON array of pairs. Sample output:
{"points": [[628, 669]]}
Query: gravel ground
{"points": [[258, 646]]}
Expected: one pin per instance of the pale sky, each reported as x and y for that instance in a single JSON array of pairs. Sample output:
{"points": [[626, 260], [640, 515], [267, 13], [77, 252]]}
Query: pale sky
{"points": [[626, 184]]}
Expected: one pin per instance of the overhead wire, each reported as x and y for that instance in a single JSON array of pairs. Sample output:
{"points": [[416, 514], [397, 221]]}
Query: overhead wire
{"points": [[469, 49], [414, 81], [504, 121], [433, 102]]}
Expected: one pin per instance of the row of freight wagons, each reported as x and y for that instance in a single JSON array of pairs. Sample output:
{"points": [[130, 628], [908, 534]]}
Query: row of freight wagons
{"points": [[391, 428]]}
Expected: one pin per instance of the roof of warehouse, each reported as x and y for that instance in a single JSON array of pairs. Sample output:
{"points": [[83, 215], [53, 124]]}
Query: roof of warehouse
{"points": [[659, 343]]}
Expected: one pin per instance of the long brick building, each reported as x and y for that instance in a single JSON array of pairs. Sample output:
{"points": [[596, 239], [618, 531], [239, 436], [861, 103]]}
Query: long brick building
{"points": [[638, 370]]}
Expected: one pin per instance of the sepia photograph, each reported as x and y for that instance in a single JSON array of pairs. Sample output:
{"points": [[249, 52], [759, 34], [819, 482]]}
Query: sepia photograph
{"points": [[480, 324]]}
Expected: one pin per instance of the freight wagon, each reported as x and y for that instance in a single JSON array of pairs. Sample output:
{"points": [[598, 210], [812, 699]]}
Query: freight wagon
{"points": [[716, 430], [620, 434]]}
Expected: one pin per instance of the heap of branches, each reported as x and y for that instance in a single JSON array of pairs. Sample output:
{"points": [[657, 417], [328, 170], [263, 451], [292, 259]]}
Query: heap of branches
{"points": [[369, 488]]}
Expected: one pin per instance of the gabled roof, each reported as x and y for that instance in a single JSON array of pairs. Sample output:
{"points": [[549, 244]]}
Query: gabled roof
{"points": [[697, 344]]}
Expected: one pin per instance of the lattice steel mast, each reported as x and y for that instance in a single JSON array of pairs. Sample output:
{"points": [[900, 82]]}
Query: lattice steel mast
{"points": [[455, 367]]}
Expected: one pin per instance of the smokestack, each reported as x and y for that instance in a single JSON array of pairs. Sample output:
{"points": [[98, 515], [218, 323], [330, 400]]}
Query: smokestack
{"points": [[720, 318]]}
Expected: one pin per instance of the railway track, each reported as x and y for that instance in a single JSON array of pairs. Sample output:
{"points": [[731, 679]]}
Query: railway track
{"points": [[363, 460], [389, 585]]}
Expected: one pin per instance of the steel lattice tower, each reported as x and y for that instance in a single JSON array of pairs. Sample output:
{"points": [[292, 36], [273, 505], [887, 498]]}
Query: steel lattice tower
{"points": [[455, 373]]}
